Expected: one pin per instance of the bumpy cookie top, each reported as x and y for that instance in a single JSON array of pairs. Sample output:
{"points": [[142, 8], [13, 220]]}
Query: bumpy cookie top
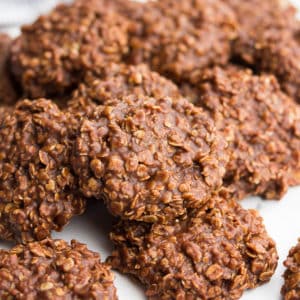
{"points": [[177, 37], [216, 253], [261, 125], [52, 54], [115, 81], [53, 269], [38, 191], [149, 158], [268, 40]]}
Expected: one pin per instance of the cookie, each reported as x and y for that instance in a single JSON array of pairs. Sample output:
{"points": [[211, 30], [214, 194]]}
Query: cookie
{"points": [[178, 37], [150, 159], [217, 252], [51, 55], [261, 125], [54, 269], [38, 190]]}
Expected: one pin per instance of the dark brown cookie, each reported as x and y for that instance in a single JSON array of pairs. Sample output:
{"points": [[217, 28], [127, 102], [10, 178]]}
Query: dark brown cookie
{"points": [[52, 54], [219, 251], [38, 191], [269, 40], [115, 81], [54, 270], [261, 125], [177, 37], [8, 94], [291, 287], [149, 158]]}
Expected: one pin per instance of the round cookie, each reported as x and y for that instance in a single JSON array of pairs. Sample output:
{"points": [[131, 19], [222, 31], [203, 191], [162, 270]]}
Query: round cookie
{"points": [[261, 125], [38, 191], [290, 289], [150, 159], [178, 37], [217, 252], [51, 55], [54, 269]]}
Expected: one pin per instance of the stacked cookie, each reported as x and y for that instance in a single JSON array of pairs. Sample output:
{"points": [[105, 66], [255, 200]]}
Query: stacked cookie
{"points": [[169, 112]]}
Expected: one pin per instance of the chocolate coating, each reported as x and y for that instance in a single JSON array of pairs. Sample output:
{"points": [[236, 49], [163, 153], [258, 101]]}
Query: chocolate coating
{"points": [[118, 80], [54, 270], [217, 252], [149, 158], [38, 191], [115, 81], [51, 55], [261, 125], [268, 40], [178, 37]]}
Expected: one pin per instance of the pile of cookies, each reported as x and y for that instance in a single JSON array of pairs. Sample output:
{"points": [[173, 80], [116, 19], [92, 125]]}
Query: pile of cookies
{"points": [[169, 112]]}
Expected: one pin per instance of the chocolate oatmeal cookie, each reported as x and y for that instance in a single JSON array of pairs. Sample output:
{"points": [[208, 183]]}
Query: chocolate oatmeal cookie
{"points": [[150, 159], [261, 125], [217, 252], [268, 40], [53, 270], [38, 191], [291, 287], [51, 55], [177, 37], [8, 94], [115, 81]]}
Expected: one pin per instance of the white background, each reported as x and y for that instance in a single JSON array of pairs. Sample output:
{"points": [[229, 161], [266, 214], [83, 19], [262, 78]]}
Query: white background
{"points": [[282, 219]]}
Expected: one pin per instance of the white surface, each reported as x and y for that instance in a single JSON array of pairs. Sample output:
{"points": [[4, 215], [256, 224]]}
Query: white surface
{"points": [[282, 218], [14, 13]]}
